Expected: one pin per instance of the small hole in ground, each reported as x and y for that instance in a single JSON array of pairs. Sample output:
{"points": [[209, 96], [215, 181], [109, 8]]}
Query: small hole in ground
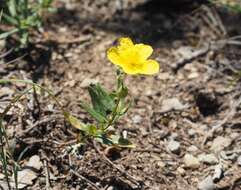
{"points": [[207, 103]]}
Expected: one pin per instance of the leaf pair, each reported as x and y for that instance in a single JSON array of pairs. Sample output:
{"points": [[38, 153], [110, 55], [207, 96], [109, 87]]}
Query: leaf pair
{"points": [[102, 103]]}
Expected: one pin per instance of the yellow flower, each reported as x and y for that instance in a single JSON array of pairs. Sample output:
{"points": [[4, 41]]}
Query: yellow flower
{"points": [[133, 58]]}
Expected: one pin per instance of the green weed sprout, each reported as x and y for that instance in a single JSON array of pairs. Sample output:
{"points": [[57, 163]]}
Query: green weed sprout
{"points": [[22, 16]]}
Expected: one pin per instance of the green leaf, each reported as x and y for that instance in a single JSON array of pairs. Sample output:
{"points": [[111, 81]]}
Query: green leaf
{"points": [[12, 8], [114, 140], [121, 142], [10, 20], [45, 3], [75, 122], [124, 108], [1, 13], [6, 34], [104, 140], [92, 130], [102, 102], [100, 118], [52, 10], [24, 38]]}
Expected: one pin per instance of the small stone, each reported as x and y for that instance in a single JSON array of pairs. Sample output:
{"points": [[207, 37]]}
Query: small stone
{"points": [[87, 81], [136, 119], [34, 162], [191, 161], [192, 148], [218, 173], [193, 75], [164, 76], [174, 146], [172, 104], [207, 184], [2, 44], [181, 171], [239, 160], [70, 83], [25, 178], [220, 143], [50, 107], [228, 155], [110, 188], [191, 132], [208, 159], [234, 136], [3, 185], [203, 127], [161, 164], [70, 6], [149, 92], [54, 56], [63, 29], [5, 91], [69, 54], [2, 176]]}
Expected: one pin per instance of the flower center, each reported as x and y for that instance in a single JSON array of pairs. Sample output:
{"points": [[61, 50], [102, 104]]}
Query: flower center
{"points": [[135, 65]]}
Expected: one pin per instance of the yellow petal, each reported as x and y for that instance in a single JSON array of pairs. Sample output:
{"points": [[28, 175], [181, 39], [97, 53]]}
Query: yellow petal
{"points": [[144, 51], [129, 70], [150, 67], [113, 55], [125, 42]]}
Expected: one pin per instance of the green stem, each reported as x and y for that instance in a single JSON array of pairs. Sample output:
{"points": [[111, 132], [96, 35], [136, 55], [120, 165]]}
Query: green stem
{"points": [[113, 115], [120, 78], [50, 93]]}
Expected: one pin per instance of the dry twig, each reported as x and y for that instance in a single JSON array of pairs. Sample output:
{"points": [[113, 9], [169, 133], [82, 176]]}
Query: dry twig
{"points": [[201, 52], [90, 183], [48, 186]]}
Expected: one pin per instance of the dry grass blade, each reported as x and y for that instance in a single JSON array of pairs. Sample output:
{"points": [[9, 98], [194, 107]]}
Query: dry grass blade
{"points": [[6, 53], [138, 183], [90, 183]]}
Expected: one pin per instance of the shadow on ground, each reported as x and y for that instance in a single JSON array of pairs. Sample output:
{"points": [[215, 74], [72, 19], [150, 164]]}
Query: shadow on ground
{"points": [[150, 22]]}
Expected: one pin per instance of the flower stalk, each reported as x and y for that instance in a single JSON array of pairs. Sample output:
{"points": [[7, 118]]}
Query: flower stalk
{"points": [[119, 96]]}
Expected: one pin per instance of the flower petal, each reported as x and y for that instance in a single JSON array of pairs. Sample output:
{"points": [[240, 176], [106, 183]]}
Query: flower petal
{"points": [[144, 51], [113, 55], [150, 67], [125, 42], [129, 71]]}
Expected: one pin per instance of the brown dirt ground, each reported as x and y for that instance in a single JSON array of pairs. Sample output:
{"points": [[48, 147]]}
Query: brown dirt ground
{"points": [[71, 53]]}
